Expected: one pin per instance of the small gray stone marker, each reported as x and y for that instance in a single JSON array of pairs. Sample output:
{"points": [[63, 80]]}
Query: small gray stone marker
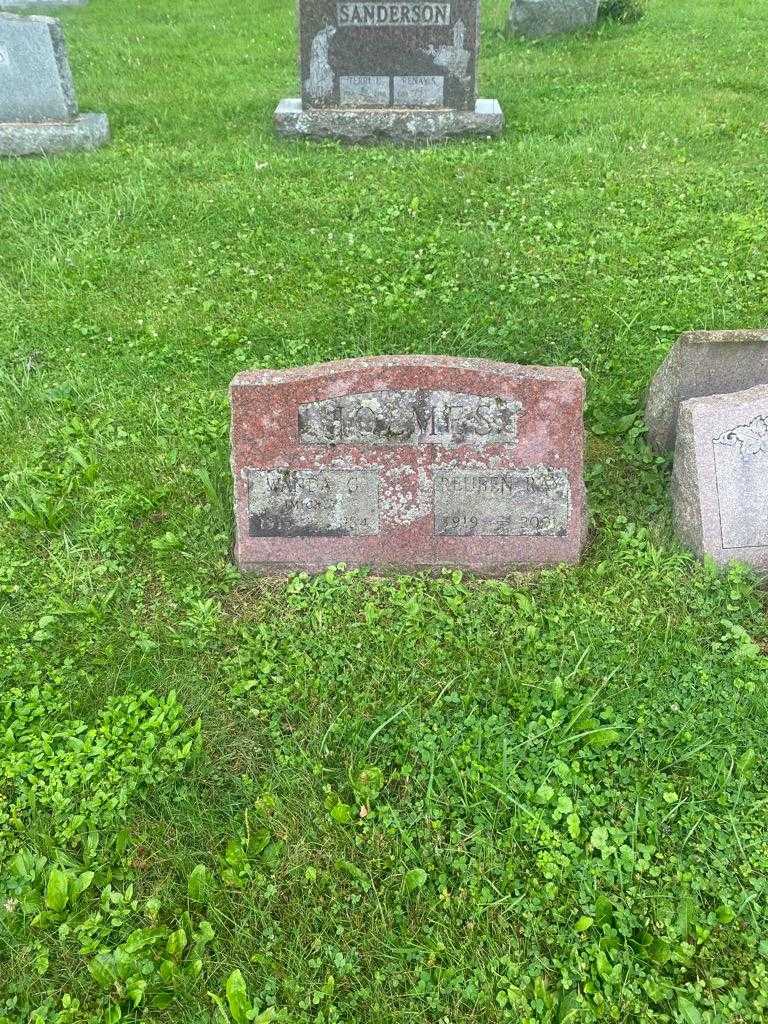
{"points": [[38, 108], [535, 19], [720, 479], [702, 363], [401, 71]]}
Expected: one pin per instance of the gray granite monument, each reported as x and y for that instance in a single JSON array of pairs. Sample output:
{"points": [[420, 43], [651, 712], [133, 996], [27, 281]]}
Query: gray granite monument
{"points": [[535, 19], [395, 71], [38, 109], [702, 363], [720, 479]]}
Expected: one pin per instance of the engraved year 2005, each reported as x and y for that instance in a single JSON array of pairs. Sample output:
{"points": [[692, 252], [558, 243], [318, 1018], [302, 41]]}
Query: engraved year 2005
{"points": [[460, 524]]}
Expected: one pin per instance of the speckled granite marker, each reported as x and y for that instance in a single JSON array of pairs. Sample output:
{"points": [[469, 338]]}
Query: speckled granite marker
{"points": [[400, 71], [720, 480], [702, 363], [408, 462], [38, 109], [535, 19]]}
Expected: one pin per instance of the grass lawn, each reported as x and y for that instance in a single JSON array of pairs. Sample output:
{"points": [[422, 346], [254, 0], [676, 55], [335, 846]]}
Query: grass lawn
{"points": [[390, 801]]}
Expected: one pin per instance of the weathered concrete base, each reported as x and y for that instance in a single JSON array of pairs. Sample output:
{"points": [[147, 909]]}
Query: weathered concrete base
{"points": [[405, 127], [34, 4], [88, 131]]}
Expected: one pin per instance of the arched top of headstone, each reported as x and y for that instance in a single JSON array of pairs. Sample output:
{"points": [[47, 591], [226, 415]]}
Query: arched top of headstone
{"points": [[426, 365]]}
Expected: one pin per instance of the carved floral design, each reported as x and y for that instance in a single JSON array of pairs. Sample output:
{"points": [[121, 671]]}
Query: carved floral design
{"points": [[750, 438]]}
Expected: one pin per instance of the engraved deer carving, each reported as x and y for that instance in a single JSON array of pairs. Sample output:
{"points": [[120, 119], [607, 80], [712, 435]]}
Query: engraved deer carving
{"points": [[319, 85], [455, 59]]}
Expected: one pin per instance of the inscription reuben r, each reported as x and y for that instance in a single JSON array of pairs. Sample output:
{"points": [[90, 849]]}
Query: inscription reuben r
{"points": [[410, 417], [510, 503]]}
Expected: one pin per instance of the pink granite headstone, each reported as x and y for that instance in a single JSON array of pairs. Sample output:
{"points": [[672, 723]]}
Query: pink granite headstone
{"points": [[408, 462]]}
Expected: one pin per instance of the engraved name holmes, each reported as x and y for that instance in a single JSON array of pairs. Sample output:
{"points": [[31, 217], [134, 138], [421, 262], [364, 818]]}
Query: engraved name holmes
{"points": [[409, 417]]}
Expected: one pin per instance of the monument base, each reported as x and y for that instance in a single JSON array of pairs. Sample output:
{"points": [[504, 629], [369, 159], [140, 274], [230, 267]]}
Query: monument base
{"points": [[15, 4], [399, 125], [88, 131]]}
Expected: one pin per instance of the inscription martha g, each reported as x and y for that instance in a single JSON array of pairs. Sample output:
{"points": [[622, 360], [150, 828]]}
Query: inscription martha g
{"points": [[313, 503], [510, 503], [398, 418], [741, 467]]}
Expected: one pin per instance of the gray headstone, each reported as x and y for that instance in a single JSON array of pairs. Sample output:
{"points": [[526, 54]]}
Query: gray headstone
{"points": [[398, 69], [702, 363], [535, 19], [38, 109], [35, 79], [720, 480], [409, 53]]}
